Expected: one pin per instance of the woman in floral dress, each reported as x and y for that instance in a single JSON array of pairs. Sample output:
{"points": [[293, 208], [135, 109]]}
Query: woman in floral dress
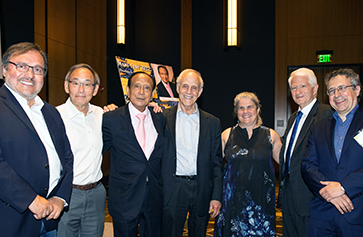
{"points": [[248, 204]]}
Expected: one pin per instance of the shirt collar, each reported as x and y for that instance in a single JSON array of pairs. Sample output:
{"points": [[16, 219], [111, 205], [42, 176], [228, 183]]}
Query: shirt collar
{"points": [[349, 115], [73, 111], [24, 102], [306, 109], [134, 111], [196, 111]]}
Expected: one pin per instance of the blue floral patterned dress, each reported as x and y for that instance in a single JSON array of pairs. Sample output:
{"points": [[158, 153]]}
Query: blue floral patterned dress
{"points": [[248, 203]]}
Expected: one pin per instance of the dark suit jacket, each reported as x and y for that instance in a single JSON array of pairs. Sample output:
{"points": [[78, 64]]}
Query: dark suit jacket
{"points": [[163, 92], [129, 167], [24, 169], [301, 195], [209, 160], [320, 164]]}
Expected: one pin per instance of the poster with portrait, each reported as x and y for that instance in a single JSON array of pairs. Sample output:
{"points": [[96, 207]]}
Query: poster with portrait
{"points": [[165, 97]]}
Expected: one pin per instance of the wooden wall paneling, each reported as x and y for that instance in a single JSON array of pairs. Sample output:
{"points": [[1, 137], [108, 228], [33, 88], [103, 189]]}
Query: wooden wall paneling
{"points": [[56, 87], [186, 34], [61, 22], [281, 7], [39, 34], [61, 58]]}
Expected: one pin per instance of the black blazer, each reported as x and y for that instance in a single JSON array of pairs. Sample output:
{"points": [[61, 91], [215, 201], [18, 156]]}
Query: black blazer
{"points": [[320, 164], [24, 166], [163, 92], [209, 160], [129, 167], [300, 192]]}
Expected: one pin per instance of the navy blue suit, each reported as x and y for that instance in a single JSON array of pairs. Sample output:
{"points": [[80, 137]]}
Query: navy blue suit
{"points": [[320, 164], [24, 172], [129, 167]]}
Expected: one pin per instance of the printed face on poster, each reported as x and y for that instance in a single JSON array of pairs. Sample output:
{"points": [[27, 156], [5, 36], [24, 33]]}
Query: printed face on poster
{"points": [[165, 94]]}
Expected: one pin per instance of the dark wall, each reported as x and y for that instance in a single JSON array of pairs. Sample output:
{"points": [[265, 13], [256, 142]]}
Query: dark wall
{"points": [[153, 35], [227, 73], [17, 22]]}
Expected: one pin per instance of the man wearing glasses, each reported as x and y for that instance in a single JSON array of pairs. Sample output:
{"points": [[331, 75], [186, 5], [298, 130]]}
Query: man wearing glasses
{"points": [[332, 165], [83, 122], [36, 162]]}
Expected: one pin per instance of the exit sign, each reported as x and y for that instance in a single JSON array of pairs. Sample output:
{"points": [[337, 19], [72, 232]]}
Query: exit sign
{"points": [[324, 56]]}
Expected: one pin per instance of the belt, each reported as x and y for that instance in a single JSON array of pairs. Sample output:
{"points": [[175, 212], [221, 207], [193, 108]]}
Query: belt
{"points": [[188, 177], [87, 186]]}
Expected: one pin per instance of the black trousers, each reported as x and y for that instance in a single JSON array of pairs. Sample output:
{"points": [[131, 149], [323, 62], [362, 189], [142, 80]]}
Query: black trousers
{"points": [[182, 201]]}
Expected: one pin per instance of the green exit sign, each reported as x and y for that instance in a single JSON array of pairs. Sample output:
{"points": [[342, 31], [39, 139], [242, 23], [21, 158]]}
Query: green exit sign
{"points": [[324, 56]]}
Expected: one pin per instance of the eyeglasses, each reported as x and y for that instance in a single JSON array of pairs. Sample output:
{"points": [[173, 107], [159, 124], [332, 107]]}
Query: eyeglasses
{"points": [[86, 85], [340, 89], [23, 67]]}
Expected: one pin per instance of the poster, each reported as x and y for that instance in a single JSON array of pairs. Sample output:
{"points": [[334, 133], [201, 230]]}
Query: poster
{"points": [[165, 98]]}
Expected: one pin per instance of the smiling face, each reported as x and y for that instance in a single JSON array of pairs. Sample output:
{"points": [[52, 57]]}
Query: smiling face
{"points": [[140, 91], [247, 113], [81, 96], [25, 84], [343, 102], [164, 74], [301, 90], [189, 89]]}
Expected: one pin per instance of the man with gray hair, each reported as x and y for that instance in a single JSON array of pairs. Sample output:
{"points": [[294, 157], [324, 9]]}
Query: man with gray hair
{"points": [[294, 195], [83, 122], [192, 164]]}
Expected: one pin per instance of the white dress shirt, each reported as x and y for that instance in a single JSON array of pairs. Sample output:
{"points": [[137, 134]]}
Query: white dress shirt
{"points": [[150, 132], [305, 111], [36, 118], [85, 136], [187, 139]]}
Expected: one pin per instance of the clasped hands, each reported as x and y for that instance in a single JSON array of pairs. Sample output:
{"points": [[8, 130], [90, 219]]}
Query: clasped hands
{"points": [[333, 193], [46, 208]]}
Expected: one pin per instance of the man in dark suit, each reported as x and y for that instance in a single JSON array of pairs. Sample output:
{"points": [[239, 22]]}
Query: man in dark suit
{"points": [[294, 195], [332, 165], [36, 162], [134, 135], [165, 87], [192, 165]]}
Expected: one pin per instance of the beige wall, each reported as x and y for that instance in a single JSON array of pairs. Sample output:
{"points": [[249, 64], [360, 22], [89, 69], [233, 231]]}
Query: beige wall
{"points": [[71, 32], [304, 27]]}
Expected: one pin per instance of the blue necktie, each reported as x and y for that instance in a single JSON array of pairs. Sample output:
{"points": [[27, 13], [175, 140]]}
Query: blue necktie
{"points": [[292, 138]]}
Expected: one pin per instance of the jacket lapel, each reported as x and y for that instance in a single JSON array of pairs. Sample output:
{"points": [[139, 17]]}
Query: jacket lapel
{"points": [[14, 105], [329, 128], [356, 124], [203, 128]]}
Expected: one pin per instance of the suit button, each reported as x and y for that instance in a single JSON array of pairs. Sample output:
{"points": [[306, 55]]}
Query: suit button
{"points": [[46, 190], [46, 166]]}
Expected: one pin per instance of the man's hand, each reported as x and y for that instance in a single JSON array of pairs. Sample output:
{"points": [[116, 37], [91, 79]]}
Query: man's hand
{"points": [[58, 205], [156, 107], [40, 207], [331, 190], [343, 204], [214, 206], [109, 107]]}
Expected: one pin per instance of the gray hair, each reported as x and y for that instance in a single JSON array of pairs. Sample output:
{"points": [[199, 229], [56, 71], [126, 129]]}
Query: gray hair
{"points": [[304, 72], [83, 65], [253, 97], [187, 71]]}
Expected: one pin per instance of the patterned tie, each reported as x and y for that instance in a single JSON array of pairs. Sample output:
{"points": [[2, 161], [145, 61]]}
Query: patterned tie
{"points": [[140, 132], [292, 138]]}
